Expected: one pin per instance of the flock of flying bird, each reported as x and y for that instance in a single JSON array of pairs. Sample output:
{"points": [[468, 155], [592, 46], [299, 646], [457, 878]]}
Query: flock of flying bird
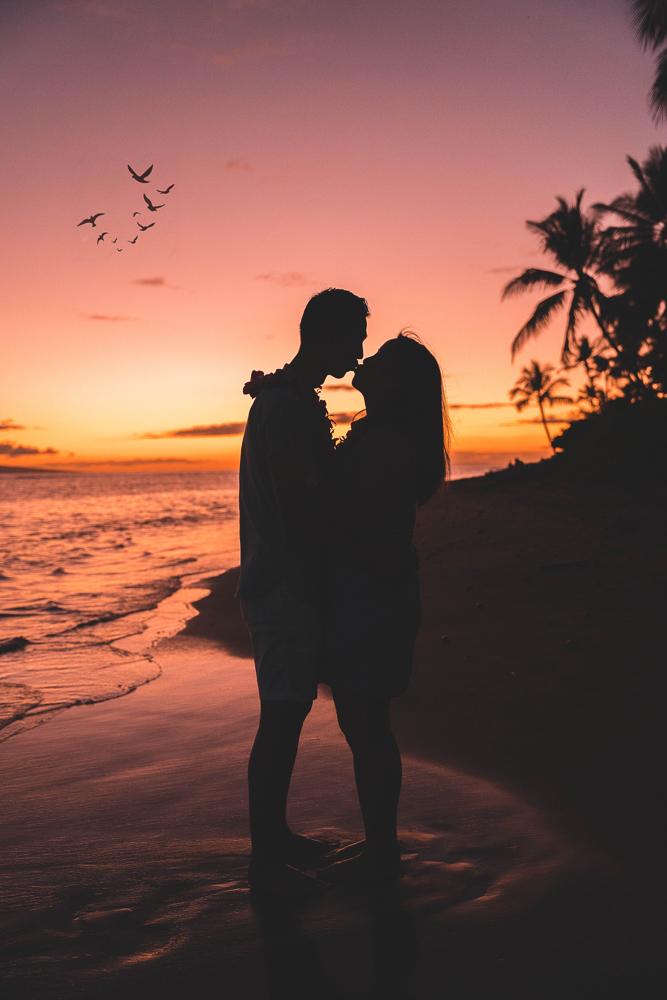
{"points": [[141, 179]]}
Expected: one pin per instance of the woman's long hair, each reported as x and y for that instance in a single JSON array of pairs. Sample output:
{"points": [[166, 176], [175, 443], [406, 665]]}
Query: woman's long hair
{"points": [[419, 405]]}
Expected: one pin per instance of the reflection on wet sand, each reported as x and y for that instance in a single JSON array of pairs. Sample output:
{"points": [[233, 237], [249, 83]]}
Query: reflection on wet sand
{"points": [[125, 849], [294, 963]]}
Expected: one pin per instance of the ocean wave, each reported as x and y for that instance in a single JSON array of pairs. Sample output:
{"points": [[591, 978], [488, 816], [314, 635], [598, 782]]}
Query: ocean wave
{"points": [[172, 519], [110, 616], [28, 711], [159, 591], [14, 644], [215, 512], [39, 607], [16, 700], [86, 610]]}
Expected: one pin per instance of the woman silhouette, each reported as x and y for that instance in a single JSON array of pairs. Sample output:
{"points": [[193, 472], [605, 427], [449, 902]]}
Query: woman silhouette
{"points": [[393, 459]]}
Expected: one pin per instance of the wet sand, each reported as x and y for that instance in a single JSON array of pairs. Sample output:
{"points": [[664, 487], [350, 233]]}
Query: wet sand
{"points": [[125, 847], [525, 815], [539, 667]]}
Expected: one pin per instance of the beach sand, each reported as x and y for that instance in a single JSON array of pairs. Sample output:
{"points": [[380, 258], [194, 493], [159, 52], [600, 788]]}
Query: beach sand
{"points": [[529, 813]]}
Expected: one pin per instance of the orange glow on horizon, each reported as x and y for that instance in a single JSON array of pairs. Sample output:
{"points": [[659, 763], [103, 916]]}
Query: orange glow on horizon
{"points": [[302, 156]]}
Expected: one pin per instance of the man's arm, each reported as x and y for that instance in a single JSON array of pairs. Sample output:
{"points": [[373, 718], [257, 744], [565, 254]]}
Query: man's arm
{"points": [[297, 462]]}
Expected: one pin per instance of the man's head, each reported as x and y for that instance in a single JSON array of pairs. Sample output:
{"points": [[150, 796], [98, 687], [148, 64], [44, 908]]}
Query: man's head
{"points": [[333, 329]]}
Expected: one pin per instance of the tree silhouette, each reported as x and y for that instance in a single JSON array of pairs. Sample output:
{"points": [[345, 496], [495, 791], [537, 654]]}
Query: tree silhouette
{"points": [[571, 237], [634, 255], [650, 19], [585, 354], [538, 384]]}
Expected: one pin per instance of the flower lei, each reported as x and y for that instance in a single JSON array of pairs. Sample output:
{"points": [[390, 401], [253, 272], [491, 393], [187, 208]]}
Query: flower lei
{"points": [[259, 382]]}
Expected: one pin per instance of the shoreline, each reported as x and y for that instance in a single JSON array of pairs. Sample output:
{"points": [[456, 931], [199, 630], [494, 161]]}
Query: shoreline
{"points": [[538, 597], [125, 846], [531, 825]]}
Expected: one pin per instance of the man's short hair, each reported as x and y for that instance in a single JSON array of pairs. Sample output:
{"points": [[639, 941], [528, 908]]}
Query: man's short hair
{"points": [[330, 310]]}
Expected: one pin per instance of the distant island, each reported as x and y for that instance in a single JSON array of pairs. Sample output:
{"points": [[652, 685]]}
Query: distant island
{"points": [[26, 468]]}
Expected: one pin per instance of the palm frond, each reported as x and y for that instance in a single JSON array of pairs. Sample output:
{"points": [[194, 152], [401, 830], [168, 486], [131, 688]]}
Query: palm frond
{"points": [[658, 94], [650, 21], [625, 206], [637, 170], [540, 318], [557, 400], [636, 232], [521, 392], [583, 352], [569, 234], [577, 307], [655, 171], [532, 277]]}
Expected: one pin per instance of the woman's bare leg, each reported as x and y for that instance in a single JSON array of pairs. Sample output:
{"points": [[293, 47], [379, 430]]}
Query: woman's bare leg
{"points": [[365, 723]]}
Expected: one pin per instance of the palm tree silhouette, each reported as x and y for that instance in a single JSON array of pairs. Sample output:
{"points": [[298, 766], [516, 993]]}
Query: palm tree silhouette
{"points": [[586, 354], [538, 384], [650, 18], [635, 253], [571, 237]]}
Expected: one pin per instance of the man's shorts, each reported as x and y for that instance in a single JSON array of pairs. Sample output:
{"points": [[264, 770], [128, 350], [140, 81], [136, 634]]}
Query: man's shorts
{"points": [[287, 637]]}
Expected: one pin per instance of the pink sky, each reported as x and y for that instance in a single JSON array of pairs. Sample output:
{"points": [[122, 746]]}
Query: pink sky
{"points": [[392, 148]]}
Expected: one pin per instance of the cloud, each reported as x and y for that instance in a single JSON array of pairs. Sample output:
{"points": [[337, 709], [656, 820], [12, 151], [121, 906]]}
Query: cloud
{"points": [[344, 418], [286, 279], [237, 163], [107, 317], [122, 462], [151, 282], [9, 425], [537, 420], [338, 387], [157, 282], [13, 450], [477, 406], [203, 430]]}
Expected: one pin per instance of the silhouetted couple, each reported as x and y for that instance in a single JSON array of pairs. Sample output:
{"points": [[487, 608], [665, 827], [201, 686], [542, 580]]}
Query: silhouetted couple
{"points": [[329, 585]]}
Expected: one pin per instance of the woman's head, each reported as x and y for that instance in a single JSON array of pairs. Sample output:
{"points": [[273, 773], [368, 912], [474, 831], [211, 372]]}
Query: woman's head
{"points": [[402, 384]]}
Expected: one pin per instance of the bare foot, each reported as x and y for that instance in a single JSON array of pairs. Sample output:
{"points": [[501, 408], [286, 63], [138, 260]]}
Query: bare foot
{"points": [[307, 852], [273, 878], [365, 870]]}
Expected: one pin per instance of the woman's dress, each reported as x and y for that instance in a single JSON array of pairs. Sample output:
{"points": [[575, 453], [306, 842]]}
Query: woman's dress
{"points": [[373, 585]]}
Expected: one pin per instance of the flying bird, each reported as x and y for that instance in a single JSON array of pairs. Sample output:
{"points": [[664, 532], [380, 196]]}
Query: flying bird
{"points": [[100, 238], [140, 177], [90, 219], [151, 206], [135, 239], [115, 239], [135, 213], [119, 249], [144, 228], [166, 190]]}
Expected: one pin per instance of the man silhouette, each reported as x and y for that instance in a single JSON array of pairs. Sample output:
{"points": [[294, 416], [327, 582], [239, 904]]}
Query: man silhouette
{"points": [[287, 447]]}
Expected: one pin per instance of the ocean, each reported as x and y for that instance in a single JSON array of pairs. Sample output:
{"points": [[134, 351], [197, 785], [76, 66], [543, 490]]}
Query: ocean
{"points": [[91, 570], [94, 572]]}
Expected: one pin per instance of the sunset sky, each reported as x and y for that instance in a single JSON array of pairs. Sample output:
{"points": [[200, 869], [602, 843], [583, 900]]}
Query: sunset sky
{"points": [[393, 148]]}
